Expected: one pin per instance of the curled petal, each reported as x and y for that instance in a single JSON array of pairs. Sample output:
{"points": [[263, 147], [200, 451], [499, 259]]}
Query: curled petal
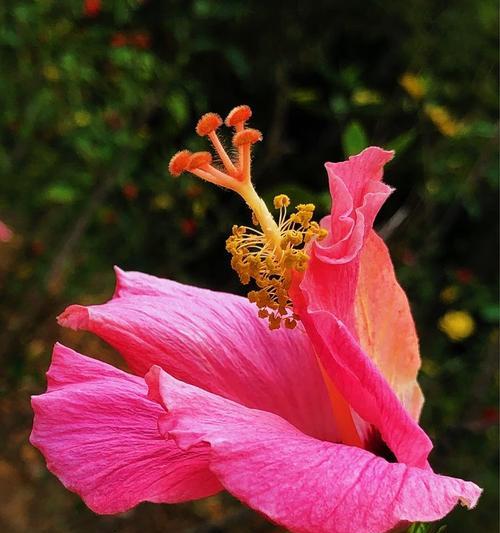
{"points": [[357, 195]]}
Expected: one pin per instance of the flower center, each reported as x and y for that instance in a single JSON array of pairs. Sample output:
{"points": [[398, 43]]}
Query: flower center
{"points": [[269, 253]]}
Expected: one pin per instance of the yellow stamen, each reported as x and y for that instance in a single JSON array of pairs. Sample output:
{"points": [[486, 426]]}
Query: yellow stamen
{"points": [[268, 255]]}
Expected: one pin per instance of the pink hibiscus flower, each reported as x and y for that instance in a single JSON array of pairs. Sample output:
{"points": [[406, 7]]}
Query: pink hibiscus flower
{"points": [[5, 233], [315, 424]]}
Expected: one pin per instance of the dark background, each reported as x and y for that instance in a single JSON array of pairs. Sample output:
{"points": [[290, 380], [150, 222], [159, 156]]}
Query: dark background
{"points": [[95, 98]]}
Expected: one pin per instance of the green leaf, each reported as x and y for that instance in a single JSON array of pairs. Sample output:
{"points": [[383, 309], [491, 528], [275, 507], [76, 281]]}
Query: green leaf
{"points": [[238, 61], [60, 194], [177, 105], [421, 527], [304, 96], [491, 313], [400, 143], [418, 527], [354, 138]]}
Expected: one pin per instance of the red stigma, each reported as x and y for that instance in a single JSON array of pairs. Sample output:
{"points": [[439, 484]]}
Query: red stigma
{"points": [[208, 123], [238, 115], [248, 136], [179, 162], [199, 159]]}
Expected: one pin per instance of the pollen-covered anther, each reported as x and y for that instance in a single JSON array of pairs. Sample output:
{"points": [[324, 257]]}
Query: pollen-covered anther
{"points": [[256, 257], [274, 321], [199, 160], [179, 162], [238, 116], [304, 215], [291, 237], [208, 123], [281, 200], [246, 137]]}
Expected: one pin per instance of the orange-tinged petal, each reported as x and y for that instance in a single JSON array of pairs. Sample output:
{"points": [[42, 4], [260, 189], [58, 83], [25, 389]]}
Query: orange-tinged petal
{"points": [[385, 325]]}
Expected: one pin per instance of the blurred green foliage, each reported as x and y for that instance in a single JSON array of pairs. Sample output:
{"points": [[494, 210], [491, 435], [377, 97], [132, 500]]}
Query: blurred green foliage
{"points": [[94, 102]]}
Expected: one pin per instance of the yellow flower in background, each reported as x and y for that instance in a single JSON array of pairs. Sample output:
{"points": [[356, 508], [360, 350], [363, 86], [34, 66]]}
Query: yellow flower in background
{"points": [[443, 121], [82, 118], [365, 97], [414, 85], [457, 325], [449, 294], [162, 201]]}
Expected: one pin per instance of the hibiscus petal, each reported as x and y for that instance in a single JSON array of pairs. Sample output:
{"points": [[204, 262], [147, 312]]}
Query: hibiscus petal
{"points": [[355, 376], [357, 196], [360, 170], [99, 434], [388, 336], [215, 341], [302, 483], [5, 233], [364, 388], [325, 302]]}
